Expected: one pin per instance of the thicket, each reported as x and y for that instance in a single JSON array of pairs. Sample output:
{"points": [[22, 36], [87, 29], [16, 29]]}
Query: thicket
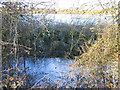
{"points": [[23, 36], [33, 38], [92, 47], [100, 63]]}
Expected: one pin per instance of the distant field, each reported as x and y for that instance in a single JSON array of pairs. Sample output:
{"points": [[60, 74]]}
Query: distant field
{"points": [[75, 11]]}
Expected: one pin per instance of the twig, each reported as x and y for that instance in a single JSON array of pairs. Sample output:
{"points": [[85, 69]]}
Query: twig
{"points": [[8, 43]]}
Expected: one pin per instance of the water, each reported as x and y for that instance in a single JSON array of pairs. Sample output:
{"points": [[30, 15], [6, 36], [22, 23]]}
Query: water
{"points": [[71, 19], [48, 65], [56, 70], [48, 70]]}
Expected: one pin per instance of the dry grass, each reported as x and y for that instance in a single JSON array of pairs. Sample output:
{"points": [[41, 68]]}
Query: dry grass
{"points": [[104, 50]]}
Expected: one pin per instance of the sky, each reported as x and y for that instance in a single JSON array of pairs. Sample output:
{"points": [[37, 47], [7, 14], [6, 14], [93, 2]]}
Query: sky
{"points": [[68, 4]]}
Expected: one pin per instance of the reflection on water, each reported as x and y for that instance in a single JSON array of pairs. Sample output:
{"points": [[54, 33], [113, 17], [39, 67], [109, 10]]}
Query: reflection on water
{"points": [[49, 71], [75, 19], [48, 65]]}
